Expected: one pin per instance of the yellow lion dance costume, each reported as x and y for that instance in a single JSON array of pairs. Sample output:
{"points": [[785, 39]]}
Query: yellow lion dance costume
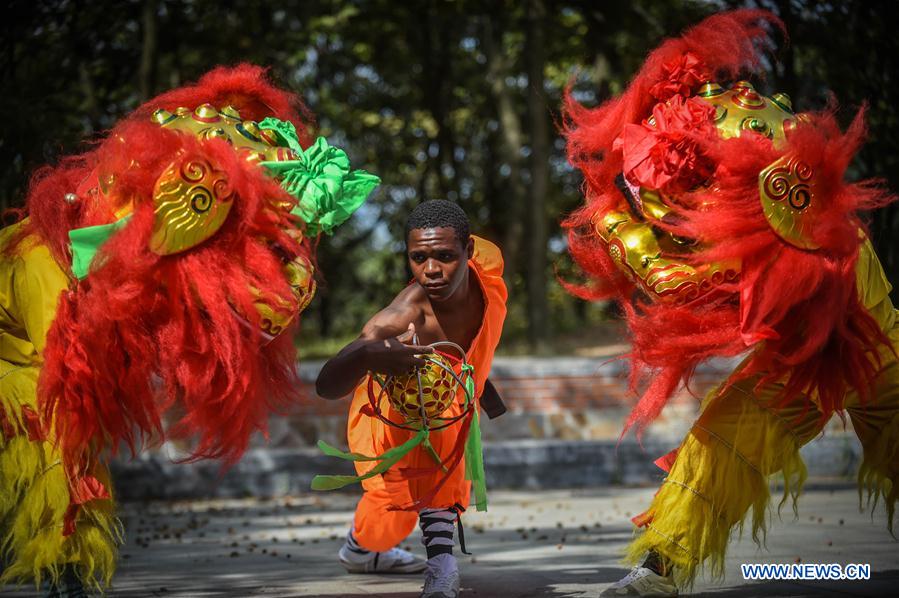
{"points": [[154, 276]]}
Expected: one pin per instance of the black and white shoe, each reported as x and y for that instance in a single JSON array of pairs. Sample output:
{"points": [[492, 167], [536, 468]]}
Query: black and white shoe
{"points": [[642, 581], [397, 561]]}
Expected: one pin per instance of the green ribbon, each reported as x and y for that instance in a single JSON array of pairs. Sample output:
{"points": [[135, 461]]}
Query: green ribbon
{"points": [[387, 460], [474, 451], [327, 191], [85, 242]]}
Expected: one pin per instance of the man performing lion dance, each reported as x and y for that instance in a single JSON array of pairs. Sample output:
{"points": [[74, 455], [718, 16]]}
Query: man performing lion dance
{"points": [[426, 440], [722, 222], [153, 280]]}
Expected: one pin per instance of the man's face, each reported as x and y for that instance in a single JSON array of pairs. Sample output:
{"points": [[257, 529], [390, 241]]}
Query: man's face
{"points": [[439, 260]]}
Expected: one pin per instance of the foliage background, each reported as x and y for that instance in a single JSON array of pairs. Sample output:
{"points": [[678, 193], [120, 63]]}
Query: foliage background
{"points": [[455, 99]]}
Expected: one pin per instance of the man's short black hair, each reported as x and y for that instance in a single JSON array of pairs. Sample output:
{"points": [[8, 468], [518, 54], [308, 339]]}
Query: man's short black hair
{"points": [[439, 213]]}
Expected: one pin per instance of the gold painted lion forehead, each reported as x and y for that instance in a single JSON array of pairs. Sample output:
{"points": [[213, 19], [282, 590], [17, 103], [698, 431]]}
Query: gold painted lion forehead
{"points": [[742, 108], [205, 122]]}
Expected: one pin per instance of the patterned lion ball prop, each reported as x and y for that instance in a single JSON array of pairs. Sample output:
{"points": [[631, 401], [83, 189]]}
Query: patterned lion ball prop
{"points": [[431, 387]]}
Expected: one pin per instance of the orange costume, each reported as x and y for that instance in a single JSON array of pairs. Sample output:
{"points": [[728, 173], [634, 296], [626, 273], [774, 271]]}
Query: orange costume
{"points": [[376, 527]]}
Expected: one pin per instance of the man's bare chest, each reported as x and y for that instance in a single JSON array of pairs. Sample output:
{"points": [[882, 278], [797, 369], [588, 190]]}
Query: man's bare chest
{"points": [[461, 331]]}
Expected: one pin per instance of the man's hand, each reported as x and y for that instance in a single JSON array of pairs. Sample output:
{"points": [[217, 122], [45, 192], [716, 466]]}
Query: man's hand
{"points": [[391, 356], [395, 356]]}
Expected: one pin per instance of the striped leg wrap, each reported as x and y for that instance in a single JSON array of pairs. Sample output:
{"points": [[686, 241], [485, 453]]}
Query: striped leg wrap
{"points": [[437, 526], [353, 545]]}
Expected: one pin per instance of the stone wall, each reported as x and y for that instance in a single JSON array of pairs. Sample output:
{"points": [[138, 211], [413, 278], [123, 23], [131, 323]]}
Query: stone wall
{"points": [[561, 430]]}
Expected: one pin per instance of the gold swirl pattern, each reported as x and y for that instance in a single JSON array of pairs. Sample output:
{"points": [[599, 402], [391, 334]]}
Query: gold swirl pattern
{"points": [[742, 108], [192, 201], [788, 200]]}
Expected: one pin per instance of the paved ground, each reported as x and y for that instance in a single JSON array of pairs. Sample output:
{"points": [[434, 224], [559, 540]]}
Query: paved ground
{"points": [[562, 544]]}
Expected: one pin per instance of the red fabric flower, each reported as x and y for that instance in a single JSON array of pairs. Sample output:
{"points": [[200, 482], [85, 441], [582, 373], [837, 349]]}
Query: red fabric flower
{"points": [[681, 77], [666, 154]]}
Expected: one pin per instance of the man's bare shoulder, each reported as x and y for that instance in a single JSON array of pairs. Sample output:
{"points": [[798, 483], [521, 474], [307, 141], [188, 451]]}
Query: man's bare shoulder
{"points": [[407, 307]]}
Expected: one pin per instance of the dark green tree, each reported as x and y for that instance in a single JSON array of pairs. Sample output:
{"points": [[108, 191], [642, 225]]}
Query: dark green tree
{"points": [[456, 99]]}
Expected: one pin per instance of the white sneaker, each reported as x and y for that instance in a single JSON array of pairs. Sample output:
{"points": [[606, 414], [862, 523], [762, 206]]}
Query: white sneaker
{"points": [[442, 577], [642, 582], [395, 560]]}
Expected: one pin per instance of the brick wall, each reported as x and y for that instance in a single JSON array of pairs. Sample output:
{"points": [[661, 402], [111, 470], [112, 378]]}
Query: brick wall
{"points": [[547, 398]]}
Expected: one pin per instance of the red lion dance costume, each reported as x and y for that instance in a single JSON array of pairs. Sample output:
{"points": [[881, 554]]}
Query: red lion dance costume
{"points": [[722, 223], [152, 282]]}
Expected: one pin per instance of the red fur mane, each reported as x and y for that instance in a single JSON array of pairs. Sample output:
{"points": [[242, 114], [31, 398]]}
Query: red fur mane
{"points": [[149, 346]]}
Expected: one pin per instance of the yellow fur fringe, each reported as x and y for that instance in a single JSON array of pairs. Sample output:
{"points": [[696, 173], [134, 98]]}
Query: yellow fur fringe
{"points": [[34, 498], [740, 440], [722, 471], [878, 476]]}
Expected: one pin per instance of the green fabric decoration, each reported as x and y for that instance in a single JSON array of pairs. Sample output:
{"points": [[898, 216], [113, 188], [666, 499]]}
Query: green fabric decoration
{"points": [[327, 191], [387, 460], [284, 131], [474, 453], [85, 242]]}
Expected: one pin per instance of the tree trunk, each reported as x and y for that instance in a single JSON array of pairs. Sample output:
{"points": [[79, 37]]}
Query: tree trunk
{"points": [[435, 47], [511, 141], [538, 308], [91, 105], [325, 315], [788, 78], [149, 51]]}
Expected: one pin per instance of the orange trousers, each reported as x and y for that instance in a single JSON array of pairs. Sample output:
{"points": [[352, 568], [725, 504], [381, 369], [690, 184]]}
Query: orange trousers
{"points": [[376, 527]]}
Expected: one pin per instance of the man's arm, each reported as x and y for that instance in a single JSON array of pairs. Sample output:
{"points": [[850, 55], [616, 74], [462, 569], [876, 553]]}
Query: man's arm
{"points": [[382, 347]]}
